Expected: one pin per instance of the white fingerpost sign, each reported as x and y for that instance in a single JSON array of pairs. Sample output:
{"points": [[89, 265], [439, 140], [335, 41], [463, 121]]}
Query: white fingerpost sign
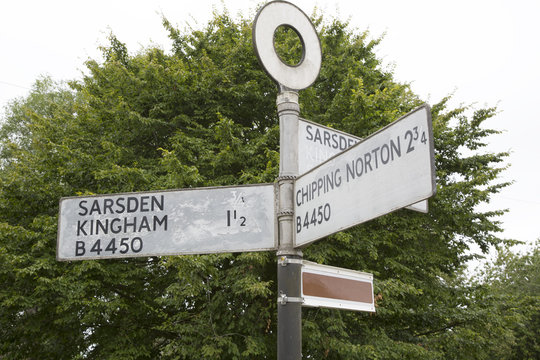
{"points": [[318, 143], [191, 221], [389, 170]]}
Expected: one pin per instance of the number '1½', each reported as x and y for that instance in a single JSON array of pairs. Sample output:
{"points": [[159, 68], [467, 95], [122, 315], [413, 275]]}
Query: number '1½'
{"points": [[243, 223]]}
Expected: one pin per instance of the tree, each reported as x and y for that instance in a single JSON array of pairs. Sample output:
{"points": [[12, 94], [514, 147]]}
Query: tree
{"points": [[512, 285], [205, 115]]}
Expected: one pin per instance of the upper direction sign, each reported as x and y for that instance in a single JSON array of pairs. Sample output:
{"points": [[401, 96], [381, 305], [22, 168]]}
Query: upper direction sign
{"points": [[389, 170], [192, 221], [318, 143], [268, 20]]}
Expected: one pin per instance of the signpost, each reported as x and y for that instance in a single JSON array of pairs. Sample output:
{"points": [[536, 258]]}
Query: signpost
{"points": [[290, 79], [389, 170], [193, 221], [345, 181]]}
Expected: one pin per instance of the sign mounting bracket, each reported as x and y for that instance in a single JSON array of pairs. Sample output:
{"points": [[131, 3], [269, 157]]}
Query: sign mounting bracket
{"points": [[284, 261], [283, 299]]}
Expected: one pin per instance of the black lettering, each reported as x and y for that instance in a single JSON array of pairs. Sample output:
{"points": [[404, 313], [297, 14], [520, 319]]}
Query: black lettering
{"points": [[115, 229], [337, 179], [310, 135], [132, 204], [410, 147], [335, 144], [350, 171], [359, 170], [95, 208], [342, 143], [120, 205], [127, 224], [317, 136], [107, 205], [374, 152], [133, 248], [424, 139], [124, 245], [327, 139], [111, 246], [385, 158], [326, 214], [329, 182], [157, 203], [396, 148], [79, 248], [367, 161], [313, 218], [80, 227], [144, 225], [104, 226], [144, 203], [96, 247], [81, 205], [320, 217], [305, 195], [298, 203]]}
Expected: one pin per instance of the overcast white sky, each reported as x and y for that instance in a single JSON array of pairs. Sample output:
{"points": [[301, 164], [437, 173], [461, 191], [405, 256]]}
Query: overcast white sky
{"points": [[484, 51]]}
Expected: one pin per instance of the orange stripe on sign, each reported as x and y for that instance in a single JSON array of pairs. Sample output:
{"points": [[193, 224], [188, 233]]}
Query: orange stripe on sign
{"points": [[336, 288]]}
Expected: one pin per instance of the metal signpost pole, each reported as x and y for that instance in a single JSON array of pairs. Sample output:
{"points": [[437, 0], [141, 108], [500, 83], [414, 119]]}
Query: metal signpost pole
{"points": [[290, 80], [289, 320]]}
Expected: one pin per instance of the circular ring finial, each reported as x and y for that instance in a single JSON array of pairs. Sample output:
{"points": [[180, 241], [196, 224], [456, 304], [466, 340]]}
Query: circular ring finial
{"points": [[268, 19]]}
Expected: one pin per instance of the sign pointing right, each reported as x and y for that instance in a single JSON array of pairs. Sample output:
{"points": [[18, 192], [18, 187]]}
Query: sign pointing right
{"points": [[389, 170], [318, 143]]}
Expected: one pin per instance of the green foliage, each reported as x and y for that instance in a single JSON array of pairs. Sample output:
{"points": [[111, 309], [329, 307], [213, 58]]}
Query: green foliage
{"points": [[205, 115], [511, 285]]}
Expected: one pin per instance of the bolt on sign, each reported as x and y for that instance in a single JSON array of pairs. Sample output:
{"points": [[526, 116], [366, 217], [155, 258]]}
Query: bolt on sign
{"points": [[333, 287], [191, 221]]}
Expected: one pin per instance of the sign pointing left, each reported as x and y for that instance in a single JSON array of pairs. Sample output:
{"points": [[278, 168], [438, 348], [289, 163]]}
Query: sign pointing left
{"points": [[190, 221]]}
